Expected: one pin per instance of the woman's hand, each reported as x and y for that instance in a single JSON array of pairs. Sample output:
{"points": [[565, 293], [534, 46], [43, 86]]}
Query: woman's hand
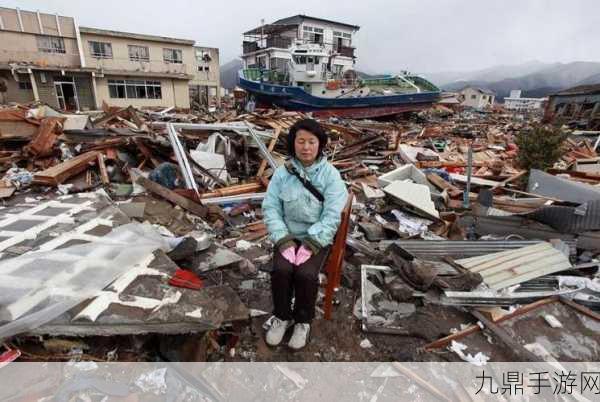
{"points": [[290, 254], [302, 255]]}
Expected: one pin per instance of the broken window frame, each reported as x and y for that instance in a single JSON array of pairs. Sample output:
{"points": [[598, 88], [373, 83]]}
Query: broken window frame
{"points": [[134, 89], [203, 56], [100, 50], [171, 55], [50, 44], [138, 52]]}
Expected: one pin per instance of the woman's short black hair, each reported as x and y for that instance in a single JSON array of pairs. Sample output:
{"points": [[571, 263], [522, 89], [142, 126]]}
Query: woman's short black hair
{"points": [[311, 126]]}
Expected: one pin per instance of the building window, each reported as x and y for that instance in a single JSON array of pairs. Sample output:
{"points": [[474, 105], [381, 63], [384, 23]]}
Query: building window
{"points": [[51, 44], [341, 39], [101, 50], [473, 96], [25, 85], [203, 56], [338, 70], [203, 68], [262, 62], [172, 56], [134, 89], [138, 53], [278, 64], [24, 82], [313, 34], [300, 59]]}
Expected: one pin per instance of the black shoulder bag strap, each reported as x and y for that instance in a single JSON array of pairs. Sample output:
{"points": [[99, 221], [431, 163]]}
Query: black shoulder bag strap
{"points": [[306, 183]]}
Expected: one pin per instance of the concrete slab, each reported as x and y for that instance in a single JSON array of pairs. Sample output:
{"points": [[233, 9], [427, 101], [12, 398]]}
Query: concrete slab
{"points": [[416, 196], [132, 301], [215, 257]]}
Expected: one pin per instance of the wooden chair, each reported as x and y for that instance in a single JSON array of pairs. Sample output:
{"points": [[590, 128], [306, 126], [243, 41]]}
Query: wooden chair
{"points": [[335, 261]]}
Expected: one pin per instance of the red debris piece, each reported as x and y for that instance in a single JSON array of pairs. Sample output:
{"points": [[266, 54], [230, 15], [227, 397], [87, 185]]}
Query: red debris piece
{"points": [[186, 279]]}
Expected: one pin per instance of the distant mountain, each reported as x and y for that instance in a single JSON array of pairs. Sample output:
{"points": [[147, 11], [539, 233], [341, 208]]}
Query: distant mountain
{"points": [[593, 79], [540, 83], [229, 73], [490, 74]]}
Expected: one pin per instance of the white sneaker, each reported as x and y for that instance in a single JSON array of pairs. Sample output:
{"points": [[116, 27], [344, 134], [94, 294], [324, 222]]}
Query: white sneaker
{"points": [[277, 331], [300, 336]]}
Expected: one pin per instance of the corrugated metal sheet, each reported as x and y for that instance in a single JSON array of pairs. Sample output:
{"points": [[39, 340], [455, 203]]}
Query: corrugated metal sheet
{"points": [[434, 250], [512, 225], [570, 219], [507, 268]]}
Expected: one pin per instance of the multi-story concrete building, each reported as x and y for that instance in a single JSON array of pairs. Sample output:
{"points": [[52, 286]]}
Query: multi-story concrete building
{"points": [[40, 60], [270, 46], [516, 103], [143, 70], [49, 58]]}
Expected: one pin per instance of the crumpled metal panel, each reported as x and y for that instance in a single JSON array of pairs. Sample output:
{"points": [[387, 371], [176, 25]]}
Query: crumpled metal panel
{"points": [[565, 219], [545, 184]]}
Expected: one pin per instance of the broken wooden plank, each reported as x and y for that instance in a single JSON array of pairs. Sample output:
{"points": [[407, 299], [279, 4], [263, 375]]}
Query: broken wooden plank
{"points": [[582, 309], [43, 141], [185, 203], [103, 171], [510, 179], [6, 192], [271, 146], [442, 184], [445, 341], [58, 174], [234, 190], [251, 236], [146, 152], [422, 382], [518, 350]]}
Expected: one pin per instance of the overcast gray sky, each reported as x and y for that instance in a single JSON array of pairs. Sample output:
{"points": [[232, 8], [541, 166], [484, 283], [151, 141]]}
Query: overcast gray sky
{"points": [[417, 35]]}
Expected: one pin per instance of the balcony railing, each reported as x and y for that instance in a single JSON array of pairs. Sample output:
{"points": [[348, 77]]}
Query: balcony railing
{"points": [[250, 47], [347, 51], [281, 42]]}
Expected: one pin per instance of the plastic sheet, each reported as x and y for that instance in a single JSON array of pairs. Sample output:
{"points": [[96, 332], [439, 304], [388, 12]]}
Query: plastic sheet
{"points": [[37, 287]]}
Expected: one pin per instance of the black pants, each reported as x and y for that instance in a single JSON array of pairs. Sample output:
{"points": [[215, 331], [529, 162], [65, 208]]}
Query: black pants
{"points": [[288, 280]]}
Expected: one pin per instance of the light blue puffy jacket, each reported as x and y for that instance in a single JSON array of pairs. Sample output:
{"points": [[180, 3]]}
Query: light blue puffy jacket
{"points": [[290, 210]]}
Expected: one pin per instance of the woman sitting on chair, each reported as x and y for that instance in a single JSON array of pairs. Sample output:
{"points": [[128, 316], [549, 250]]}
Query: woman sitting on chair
{"points": [[302, 211]]}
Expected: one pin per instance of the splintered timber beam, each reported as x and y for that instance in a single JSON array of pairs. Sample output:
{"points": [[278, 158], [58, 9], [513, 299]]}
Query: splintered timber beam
{"points": [[58, 174], [155, 188]]}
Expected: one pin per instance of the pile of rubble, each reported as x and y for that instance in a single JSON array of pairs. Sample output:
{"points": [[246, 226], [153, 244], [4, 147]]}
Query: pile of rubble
{"points": [[160, 212]]}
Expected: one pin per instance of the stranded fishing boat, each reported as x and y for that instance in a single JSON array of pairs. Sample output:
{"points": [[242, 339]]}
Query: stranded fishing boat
{"points": [[307, 64]]}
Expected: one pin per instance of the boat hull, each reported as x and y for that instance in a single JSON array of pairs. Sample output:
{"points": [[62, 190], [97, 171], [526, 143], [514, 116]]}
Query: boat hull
{"points": [[295, 98]]}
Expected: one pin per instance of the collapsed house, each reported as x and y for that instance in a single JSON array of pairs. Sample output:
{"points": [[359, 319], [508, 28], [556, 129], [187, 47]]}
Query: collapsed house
{"points": [[578, 107]]}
